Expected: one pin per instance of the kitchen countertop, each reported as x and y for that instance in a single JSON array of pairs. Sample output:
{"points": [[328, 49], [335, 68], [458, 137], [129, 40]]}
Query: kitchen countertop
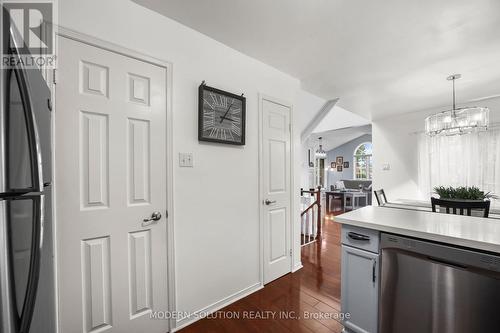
{"points": [[472, 232]]}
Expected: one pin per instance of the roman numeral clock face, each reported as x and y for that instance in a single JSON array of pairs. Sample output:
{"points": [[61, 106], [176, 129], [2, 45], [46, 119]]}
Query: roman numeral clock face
{"points": [[221, 116]]}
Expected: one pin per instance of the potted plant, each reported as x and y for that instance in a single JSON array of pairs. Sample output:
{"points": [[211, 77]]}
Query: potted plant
{"points": [[467, 193]]}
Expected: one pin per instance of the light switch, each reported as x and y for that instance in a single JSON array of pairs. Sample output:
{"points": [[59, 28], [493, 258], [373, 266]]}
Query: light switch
{"points": [[186, 160]]}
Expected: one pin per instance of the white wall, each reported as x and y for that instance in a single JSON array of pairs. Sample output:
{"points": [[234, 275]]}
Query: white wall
{"points": [[217, 249], [395, 143], [308, 105]]}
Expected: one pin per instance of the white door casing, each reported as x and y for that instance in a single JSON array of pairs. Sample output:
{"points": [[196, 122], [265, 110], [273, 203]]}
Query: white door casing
{"points": [[276, 187], [111, 174]]}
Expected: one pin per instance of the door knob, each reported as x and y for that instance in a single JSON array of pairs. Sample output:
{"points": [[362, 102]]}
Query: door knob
{"points": [[156, 216], [269, 202]]}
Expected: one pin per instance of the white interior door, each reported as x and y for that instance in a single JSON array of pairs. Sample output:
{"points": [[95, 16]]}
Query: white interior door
{"points": [[110, 176], [276, 188]]}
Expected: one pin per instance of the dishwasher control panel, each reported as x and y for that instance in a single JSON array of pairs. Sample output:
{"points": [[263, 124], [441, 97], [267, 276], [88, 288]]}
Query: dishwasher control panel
{"points": [[453, 255], [404, 242]]}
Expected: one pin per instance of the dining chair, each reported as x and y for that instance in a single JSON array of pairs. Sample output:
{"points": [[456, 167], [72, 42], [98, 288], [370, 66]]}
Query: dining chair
{"points": [[336, 200], [461, 206], [380, 196]]}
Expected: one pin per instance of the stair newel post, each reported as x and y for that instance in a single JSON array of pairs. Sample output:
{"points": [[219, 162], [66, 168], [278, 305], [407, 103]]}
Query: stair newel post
{"points": [[318, 200]]}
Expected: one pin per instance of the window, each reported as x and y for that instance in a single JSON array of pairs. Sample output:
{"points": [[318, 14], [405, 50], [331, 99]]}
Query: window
{"points": [[461, 160], [363, 164]]}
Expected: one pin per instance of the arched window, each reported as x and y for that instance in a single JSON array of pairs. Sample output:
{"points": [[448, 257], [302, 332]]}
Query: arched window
{"points": [[363, 161]]}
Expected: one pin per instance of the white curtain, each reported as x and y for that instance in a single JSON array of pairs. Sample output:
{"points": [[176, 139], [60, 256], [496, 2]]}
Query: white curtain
{"points": [[461, 160]]}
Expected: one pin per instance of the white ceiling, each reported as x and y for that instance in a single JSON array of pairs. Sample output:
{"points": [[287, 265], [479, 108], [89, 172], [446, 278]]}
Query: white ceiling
{"points": [[379, 57], [337, 118], [335, 138]]}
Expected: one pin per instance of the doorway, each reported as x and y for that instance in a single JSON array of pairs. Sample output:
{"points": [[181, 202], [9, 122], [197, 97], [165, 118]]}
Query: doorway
{"points": [[112, 196], [276, 187]]}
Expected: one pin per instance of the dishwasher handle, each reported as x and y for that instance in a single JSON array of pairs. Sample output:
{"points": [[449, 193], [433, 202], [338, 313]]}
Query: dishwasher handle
{"points": [[358, 237], [446, 262]]}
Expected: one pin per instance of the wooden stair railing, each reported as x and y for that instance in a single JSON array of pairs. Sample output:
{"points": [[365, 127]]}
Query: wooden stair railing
{"points": [[311, 215]]}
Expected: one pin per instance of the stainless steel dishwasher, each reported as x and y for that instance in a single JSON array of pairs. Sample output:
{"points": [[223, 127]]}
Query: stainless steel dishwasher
{"points": [[428, 287]]}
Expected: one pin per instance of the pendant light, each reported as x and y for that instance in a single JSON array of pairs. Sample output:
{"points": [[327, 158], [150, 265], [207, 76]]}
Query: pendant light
{"points": [[320, 153], [457, 121]]}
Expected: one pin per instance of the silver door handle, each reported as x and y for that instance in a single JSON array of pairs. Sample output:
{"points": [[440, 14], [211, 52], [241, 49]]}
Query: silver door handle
{"points": [[269, 202], [156, 216]]}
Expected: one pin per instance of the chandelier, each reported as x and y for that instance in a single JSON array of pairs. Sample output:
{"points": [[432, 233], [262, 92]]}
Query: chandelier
{"points": [[457, 121], [320, 153]]}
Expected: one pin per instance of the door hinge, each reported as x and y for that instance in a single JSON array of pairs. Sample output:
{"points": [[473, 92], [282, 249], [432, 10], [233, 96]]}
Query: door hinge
{"points": [[54, 79], [290, 252], [290, 127], [166, 214]]}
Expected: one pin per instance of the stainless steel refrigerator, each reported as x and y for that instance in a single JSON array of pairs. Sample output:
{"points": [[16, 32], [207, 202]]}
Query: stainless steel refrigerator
{"points": [[27, 283]]}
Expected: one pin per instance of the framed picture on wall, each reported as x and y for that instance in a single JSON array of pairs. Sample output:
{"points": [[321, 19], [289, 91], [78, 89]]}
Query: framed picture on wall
{"points": [[346, 165], [339, 168], [340, 160], [333, 165]]}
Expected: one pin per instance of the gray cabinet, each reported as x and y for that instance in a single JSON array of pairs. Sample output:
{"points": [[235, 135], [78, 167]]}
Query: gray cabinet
{"points": [[360, 289]]}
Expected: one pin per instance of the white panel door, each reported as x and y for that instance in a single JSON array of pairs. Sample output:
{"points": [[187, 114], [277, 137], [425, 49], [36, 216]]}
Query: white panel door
{"points": [[276, 188], [111, 175]]}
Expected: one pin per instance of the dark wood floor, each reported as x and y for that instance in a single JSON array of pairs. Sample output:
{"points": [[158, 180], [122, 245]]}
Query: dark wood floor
{"points": [[311, 296]]}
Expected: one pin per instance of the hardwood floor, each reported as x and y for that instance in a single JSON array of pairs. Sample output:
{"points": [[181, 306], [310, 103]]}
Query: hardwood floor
{"points": [[309, 297]]}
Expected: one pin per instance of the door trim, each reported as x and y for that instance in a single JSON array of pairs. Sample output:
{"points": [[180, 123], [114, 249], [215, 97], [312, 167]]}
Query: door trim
{"points": [[168, 66], [262, 98]]}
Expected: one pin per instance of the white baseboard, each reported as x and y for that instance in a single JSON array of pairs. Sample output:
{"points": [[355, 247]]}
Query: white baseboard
{"points": [[297, 266], [181, 323]]}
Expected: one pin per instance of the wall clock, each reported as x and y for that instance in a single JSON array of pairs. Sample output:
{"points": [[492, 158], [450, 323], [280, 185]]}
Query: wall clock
{"points": [[221, 116]]}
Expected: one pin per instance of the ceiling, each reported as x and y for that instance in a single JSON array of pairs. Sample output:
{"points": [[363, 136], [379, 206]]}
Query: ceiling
{"points": [[335, 138], [379, 57], [337, 118]]}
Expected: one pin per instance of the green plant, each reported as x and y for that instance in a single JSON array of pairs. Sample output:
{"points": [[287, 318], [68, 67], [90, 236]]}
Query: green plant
{"points": [[463, 192]]}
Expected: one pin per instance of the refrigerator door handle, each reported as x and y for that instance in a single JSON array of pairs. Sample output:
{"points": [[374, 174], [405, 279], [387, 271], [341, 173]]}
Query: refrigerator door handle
{"points": [[34, 268], [35, 149]]}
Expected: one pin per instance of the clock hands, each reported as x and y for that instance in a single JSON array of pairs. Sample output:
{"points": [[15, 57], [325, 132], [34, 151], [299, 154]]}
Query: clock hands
{"points": [[230, 119], [225, 114]]}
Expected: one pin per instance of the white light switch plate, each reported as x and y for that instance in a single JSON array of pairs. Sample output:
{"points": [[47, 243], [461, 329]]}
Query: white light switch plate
{"points": [[186, 160]]}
